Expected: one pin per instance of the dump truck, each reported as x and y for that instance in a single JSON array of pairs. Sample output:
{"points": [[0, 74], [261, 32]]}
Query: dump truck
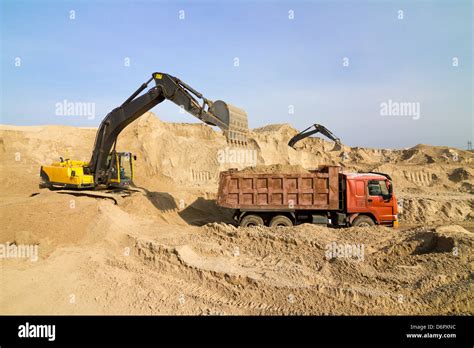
{"points": [[325, 196]]}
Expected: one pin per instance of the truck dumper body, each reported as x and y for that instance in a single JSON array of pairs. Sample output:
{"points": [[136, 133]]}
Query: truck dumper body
{"points": [[323, 196]]}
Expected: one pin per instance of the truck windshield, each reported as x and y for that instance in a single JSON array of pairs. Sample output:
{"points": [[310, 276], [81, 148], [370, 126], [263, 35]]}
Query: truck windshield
{"points": [[377, 188]]}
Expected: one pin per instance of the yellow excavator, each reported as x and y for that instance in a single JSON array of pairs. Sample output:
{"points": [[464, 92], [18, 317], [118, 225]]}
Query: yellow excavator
{"points": [[110, 168]]}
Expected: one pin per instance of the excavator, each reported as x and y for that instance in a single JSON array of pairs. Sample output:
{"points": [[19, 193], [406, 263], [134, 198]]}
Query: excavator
{"points": [[317, 128], [111, 169]]}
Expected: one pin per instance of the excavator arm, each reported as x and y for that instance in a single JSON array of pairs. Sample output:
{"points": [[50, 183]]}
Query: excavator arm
{"points": [[230, 119], [317, 129]]}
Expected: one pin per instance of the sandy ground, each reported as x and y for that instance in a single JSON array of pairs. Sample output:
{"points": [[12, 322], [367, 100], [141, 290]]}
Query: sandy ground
{"points": [[169, 249]]}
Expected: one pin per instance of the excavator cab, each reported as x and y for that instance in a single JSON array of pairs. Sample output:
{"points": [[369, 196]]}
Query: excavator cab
{"points": [[120, 166]]}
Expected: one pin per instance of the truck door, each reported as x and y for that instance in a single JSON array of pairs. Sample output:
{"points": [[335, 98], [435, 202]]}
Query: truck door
{"points": [[378, 203], [359, 193]]}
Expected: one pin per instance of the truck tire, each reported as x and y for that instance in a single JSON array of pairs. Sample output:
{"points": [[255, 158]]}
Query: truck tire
{"points": [[281, 220], [251, 220], [363, 221]]}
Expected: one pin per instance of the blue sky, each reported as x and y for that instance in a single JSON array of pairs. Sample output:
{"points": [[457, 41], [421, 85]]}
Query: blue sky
{"points": [[284, 63]]}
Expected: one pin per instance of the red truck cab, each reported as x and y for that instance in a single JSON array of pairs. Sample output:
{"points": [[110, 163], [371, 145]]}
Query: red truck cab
{"points": [[370, 194]]}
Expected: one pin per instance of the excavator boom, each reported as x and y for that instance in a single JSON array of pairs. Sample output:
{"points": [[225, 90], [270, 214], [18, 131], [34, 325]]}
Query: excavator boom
{"points": [[317, 129], [230, 119], [104, 163]]}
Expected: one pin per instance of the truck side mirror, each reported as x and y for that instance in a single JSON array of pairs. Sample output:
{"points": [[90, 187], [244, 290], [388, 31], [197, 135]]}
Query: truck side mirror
{"points": [[134, 157]]}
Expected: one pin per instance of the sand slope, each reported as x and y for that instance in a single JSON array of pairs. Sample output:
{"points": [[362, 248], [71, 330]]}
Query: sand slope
{"points": [[170, 250]]}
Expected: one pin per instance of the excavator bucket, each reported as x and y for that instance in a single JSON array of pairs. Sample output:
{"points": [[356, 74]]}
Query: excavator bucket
{"points": [[337, 146], [234, 120]]}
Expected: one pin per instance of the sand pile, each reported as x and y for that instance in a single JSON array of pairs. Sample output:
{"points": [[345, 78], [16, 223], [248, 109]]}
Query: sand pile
{"points": [[149, 268], [276, 169], [168, 161], [168, 152], [169, 249], [440, 209]]}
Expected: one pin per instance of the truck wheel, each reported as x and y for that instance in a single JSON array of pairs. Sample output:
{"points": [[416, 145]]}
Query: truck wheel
{"points": [[251, 220], [363, 221], [281, 220]]}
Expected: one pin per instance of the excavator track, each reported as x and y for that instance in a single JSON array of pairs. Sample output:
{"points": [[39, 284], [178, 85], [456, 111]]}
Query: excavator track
{"points": [[113, 195]]}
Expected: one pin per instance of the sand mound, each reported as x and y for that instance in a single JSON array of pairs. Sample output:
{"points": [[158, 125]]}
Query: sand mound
{"points": [[276, 169], [169, 249], [277, 128], [460, 174], [418, 208]]}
